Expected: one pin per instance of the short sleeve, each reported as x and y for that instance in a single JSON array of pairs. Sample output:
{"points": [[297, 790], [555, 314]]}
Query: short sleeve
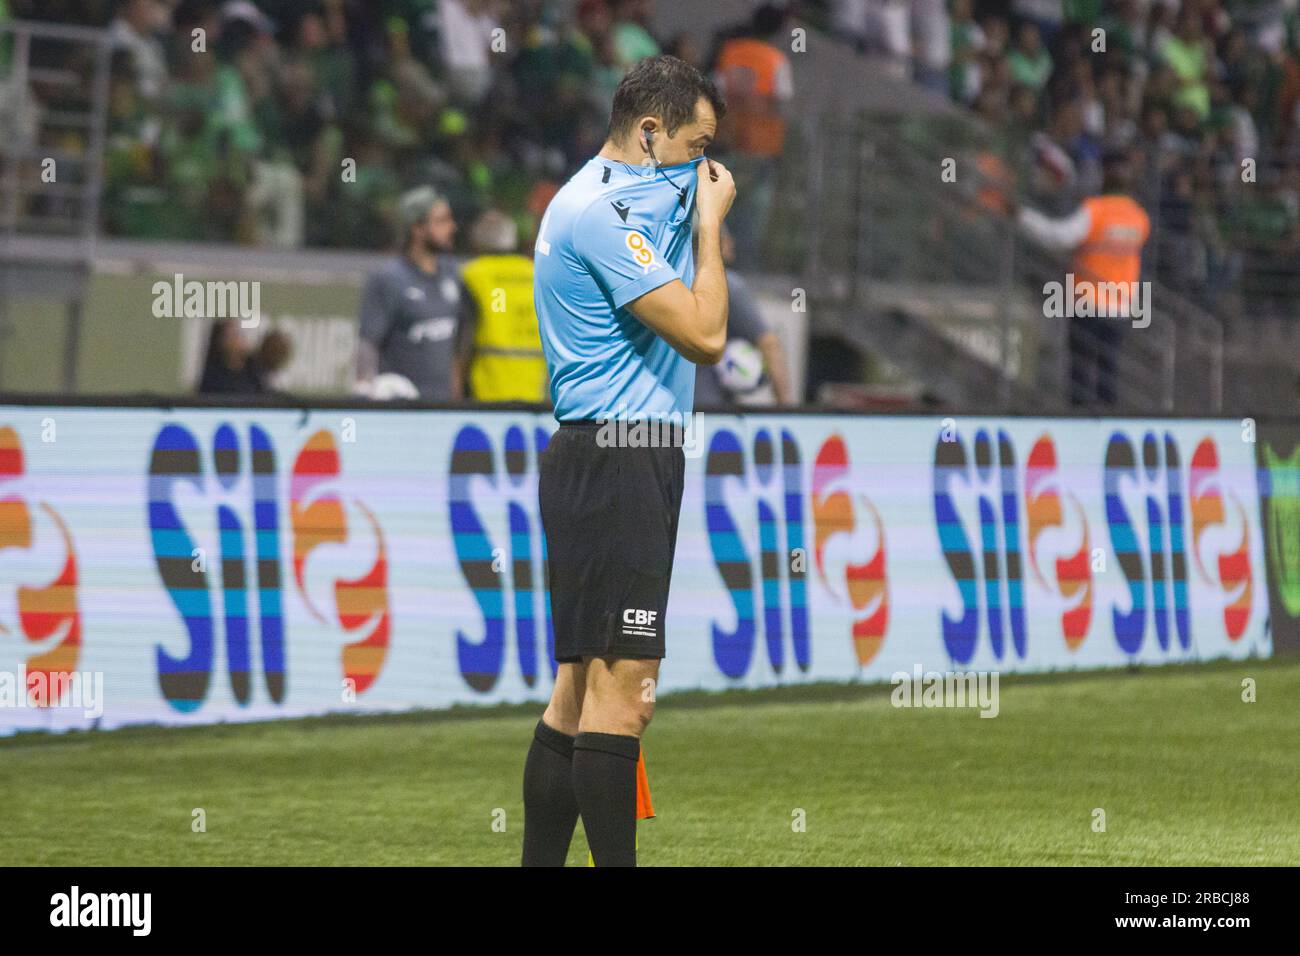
{"points": [[624, 261]]}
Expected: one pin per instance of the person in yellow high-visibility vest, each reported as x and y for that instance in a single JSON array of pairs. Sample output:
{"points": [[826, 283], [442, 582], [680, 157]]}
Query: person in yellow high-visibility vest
{"points": [[507, 363]]}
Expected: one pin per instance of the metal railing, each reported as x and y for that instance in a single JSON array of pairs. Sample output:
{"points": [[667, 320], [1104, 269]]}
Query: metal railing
{"points": [[54, 91], [54, 107], [901, 216]]}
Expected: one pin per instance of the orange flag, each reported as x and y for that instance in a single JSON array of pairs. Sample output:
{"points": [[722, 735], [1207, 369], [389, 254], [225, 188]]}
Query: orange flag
{"points": [[644, 808]]}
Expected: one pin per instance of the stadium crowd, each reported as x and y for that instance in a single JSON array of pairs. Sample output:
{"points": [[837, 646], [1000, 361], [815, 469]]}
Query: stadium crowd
{"points": [[286, 123], [243, 136], [300, 122], [386, 123], [1204, 96]]}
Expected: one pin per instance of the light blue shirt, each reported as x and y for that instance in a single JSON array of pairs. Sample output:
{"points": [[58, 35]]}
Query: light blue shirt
{"points": [[611, 234]]}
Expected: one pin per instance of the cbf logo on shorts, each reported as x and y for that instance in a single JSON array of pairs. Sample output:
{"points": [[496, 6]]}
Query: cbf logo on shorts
{"points": [[639, 622]]}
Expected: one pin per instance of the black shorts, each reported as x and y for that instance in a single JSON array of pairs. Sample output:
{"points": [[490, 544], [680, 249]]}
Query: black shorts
{"points": [[609, 511]]}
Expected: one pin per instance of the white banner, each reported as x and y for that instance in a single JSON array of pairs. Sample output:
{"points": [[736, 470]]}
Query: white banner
{"points": [[205, 565]]}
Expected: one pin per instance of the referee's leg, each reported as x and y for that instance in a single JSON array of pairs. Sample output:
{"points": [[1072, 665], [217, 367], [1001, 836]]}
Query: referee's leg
{"points": [[550, 807], [616, 710]]}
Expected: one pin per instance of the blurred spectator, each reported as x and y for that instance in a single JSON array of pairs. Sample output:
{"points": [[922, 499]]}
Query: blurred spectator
{"points": [[306, 152], [233, 367], [631, 33], [466, 31], [320, 46], [967, 43], [754, 75], [1067, 157], [913, 36], [507, 363], [243, 141], [417, 319], [1046, 16], [1187, 55], [932, 43], [135, 200], [273, 355], [851, 20], [226, 368], [421, 97], [261, 197], [135, 29], [753, 370], [566, 79], [365, 210], [887, 29], [1030, 63]]}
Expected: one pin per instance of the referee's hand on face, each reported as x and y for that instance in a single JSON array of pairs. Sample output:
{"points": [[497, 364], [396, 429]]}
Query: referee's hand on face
{"points": [[715, 192]]}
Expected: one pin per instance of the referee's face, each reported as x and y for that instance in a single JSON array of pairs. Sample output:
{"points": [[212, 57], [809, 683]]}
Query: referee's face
{"points": [[690, 140]]}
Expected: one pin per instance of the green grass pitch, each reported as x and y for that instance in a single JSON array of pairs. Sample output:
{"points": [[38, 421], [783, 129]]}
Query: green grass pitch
{"points": [[1186, 772]]}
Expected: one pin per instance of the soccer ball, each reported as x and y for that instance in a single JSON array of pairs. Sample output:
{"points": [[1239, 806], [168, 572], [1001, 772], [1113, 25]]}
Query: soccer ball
{"points": [[741, 368], [390, 386]]}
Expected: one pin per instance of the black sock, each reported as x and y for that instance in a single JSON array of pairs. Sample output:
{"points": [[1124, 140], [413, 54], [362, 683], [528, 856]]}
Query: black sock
{"points": [[604, 780], [550, 808]]}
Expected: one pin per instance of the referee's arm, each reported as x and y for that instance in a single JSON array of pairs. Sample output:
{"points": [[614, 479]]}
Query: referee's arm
{"points": [[694, 321]]}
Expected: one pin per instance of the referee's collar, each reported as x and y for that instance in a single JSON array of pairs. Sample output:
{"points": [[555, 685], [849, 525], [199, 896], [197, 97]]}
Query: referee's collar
{"points": [[646, 170]]}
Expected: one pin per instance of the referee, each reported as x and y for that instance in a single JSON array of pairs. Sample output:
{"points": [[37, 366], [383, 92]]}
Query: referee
{"points": [[625, 313]]}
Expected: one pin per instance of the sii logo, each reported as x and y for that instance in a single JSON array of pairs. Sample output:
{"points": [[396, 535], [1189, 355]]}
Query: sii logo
{"points": [[319, 518], [500, 595], [1152, 536], [191, 579], [775, 492], [1206, 495], [246, 496], [1050, 521], [840, 536], [48, 616], [996, 565]]}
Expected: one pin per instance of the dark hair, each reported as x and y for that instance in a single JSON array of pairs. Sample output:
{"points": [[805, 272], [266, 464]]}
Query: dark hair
{"points": [[236, 37], [661, 86], [1117, 171], [768, 19]]}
